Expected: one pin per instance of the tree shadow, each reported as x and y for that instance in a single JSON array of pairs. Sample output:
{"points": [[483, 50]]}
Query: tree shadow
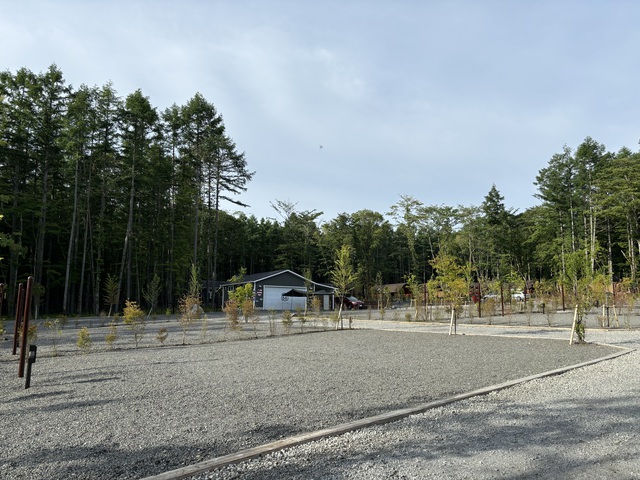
{"points": [[530, 441]]}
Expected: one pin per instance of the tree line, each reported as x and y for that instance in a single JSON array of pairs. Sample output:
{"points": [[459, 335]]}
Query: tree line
{"points": [[104, 196]]}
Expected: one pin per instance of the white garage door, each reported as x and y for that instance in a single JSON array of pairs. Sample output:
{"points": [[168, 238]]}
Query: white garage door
{"points": [[274, 300]]}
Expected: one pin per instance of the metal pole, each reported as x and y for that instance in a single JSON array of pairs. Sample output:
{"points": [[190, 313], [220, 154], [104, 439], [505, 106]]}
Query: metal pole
{"points": [[16, 326], [25, 327]]}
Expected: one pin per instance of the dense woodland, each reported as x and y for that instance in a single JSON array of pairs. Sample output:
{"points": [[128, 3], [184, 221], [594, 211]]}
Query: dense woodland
{"points": [[102, 193]]}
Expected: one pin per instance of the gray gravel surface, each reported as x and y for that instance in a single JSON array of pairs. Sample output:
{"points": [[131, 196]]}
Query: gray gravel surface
{"points": [[582, 424], [137, 412]]}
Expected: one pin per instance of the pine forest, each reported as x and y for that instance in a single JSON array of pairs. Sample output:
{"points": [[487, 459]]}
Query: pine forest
{"points": [[103, 197]]}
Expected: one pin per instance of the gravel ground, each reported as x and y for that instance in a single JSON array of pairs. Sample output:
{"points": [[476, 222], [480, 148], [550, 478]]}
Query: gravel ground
{"points": [[137, 412], [582, 424]]}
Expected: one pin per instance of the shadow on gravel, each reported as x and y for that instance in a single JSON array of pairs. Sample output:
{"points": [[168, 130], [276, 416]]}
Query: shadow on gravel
{"points": [[107, 461], [156, 410], [513, 440]]}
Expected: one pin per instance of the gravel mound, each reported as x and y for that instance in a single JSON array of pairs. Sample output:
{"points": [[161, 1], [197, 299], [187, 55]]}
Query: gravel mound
{"points": [[139, 412]]}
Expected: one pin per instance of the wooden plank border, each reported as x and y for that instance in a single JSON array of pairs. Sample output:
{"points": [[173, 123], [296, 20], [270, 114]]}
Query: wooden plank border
{"points": [[392, 416]]}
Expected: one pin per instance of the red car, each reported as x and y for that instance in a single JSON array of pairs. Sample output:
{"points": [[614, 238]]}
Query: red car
{"points": [[351, 302]]}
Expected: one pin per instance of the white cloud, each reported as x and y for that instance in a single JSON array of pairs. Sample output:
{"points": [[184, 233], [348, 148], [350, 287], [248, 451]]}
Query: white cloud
{"points": [[435, 99]]}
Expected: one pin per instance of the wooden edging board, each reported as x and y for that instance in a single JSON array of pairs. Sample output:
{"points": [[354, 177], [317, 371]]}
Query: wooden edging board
{"points": [[383, 418]]}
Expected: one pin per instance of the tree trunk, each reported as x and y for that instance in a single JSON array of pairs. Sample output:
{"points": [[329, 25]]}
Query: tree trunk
{"points": [[72, 241]]}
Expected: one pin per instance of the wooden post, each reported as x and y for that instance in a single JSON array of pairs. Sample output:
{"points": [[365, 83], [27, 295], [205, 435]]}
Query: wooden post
{"points": [[573, 327]]}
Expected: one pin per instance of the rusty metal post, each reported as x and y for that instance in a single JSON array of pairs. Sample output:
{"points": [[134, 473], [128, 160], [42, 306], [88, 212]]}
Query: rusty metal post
{"points": [[25, 327], [16, 326]]}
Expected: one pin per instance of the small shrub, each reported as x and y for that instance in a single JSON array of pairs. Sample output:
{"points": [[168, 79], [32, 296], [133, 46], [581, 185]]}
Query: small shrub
{"points": [[84, 340], [233, 315], [272, 323], [112, 336], [190, 311], [315, 306], [63, 320], [248, 309], [162, 335], [54, 326], [134, 320], [301, 316], [254, 320], [32, 334], [528, 311], [287, 321]]}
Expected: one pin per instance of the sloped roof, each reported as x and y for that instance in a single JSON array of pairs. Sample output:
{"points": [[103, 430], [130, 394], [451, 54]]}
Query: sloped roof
{"points": [[258, 277]]}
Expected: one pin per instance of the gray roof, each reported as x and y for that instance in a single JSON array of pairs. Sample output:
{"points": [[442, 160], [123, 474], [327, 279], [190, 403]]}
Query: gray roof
{"points": [[257, 277]]}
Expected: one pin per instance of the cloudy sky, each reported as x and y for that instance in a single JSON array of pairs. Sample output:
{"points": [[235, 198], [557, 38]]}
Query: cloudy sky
{"points": [[344, 105]]}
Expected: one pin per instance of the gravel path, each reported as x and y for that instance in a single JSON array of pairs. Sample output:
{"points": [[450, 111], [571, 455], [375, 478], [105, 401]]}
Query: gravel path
{"points": [[138, 412]]}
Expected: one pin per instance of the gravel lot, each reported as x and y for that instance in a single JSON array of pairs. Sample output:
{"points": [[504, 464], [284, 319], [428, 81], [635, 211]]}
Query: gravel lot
{"points": [[130, 413]]}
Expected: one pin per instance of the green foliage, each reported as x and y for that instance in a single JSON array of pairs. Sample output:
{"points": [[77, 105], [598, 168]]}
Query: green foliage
{"points": [[111, 288], [111, 182], [451, 280], [134, 320], [194, 283], [151, 293], [343, 274], [243, 296], [238, 277], [84, 340], [417, 295]]}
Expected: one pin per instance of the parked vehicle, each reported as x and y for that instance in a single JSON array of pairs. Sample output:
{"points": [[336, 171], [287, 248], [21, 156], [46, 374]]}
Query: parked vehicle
{"points": [[351, 302], [519, 296]]}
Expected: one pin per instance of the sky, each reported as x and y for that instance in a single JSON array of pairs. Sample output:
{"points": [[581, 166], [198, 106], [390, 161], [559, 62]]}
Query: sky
{"points": [[347, 105]]}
